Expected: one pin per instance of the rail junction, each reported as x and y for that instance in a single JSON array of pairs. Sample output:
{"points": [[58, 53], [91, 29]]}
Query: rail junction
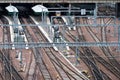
{"points": [[59, 40]]}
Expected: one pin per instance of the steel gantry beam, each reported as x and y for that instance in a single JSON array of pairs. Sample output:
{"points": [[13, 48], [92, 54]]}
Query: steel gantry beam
{"points": [[61, 25], [94, 18], [71, 44], [47, 44], [59, 1]]}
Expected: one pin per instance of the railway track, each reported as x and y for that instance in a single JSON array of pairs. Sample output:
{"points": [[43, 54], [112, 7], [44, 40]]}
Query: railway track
{"points": [[108, 66], [1, 77], [66, 70], [103, 29], [1, 62], [106, 50], [45, 57], [107, 53], [86, 59], [9, 70], [11, 73], [88, 52], [69, 73], [30, 37], [105, 76]]}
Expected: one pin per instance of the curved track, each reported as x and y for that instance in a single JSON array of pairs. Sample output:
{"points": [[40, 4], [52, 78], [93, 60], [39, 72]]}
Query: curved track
{"points": [[105, 51], [44, 57], [96, 57], [89, 61], [9, 70]]}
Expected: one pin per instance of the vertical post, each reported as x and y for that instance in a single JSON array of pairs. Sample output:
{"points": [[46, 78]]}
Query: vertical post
{"points": [[69, 16], [42, 15], [69, 9], [63, 33], [77, 51], [95, 14], [115, 27], [119, 38], [15, 24], [64, 36], [50, 28], [95, 17], [15, 19]]}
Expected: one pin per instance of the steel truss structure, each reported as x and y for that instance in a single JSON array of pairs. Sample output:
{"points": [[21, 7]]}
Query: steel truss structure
{"points": [[84, 25], [59, 1], [75, 44], [60, 44]]}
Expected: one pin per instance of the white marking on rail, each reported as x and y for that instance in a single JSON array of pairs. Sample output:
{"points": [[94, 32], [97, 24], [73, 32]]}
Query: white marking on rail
{"points": [[59, 51], [46, 34], [11, 29], [12, 35]]}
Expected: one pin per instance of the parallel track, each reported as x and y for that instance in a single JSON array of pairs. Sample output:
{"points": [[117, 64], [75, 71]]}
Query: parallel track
{"points": [[10, 72], [101, 60], [88, 52], [114, 65], [86, 59], [63, 70], [39, 62], [106, 50]]}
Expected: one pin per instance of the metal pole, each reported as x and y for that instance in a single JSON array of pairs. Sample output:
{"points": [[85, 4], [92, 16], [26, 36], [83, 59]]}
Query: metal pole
{"points": [[76, 51], [42, 15], [119, 38], [51, 22], [115, 27], [14, 15], [69, 17], [69, 9], [95, 14], [63, 33]]}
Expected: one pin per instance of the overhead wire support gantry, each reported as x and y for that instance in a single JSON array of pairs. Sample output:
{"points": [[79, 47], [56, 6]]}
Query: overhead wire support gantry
{"points": [[69, 10], [47, 44]]}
